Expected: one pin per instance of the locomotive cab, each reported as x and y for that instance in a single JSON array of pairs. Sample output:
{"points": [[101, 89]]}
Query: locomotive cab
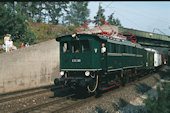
{"points": [[79, 60]]}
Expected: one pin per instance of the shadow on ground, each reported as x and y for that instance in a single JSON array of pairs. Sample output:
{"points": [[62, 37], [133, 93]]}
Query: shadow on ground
{"points": [[124, 107], [64, 92], [165, 72], [121, 107], [141, 88]]}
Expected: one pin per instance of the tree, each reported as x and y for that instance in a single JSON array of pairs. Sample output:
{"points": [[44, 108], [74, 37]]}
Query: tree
{"points": [[33, 10], [40, 13], [13, 22], [78, 13], [55, 11], [113, 21], [99, 16]]}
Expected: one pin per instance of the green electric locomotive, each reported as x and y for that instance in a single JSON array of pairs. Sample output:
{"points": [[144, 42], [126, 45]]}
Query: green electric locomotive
{"points": [[94, 63]]}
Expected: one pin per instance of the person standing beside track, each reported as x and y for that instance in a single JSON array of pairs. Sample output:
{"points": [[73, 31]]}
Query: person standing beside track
{"points": [[6, 42], [27, 44], [22, 45], [10, 44]]}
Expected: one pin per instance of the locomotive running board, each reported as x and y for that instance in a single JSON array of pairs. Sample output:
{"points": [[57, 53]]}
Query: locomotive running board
{"points": [[125, 68], [80, 69]]}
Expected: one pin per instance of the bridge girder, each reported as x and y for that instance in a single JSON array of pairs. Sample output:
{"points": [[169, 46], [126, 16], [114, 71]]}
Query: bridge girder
{"points": [[148, 38], [154, 43]]}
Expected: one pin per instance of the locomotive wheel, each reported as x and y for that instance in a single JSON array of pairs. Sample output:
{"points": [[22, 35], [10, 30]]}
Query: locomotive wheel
{"points": [[93, 85]]}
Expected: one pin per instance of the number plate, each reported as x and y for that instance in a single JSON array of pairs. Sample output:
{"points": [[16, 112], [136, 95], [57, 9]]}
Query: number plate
{"points": [[76, 60]]}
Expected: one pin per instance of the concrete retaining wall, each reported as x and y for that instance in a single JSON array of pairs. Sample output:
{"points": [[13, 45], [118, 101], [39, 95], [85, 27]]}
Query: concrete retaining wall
{"points": [[29, 67]]}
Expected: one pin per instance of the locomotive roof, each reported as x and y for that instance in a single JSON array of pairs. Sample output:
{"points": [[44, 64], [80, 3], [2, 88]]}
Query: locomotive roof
{"points": [[123, 42], [78, 35]]}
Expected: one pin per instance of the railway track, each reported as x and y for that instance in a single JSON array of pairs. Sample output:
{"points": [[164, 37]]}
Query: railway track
{"points": [[48, 103], [26, 93], [58, 105]]}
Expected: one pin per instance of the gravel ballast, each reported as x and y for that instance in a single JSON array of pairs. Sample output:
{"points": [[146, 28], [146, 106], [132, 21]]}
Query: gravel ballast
{"points": [[128, 100]]}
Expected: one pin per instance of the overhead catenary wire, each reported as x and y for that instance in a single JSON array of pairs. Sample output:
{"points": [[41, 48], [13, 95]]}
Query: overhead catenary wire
{"points": [[145, 14], [135, 11], [108, 6], [131, 21]]}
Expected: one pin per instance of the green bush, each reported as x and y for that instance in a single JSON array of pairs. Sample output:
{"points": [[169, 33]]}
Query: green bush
{"points": [[161, 104], [64, 30]]}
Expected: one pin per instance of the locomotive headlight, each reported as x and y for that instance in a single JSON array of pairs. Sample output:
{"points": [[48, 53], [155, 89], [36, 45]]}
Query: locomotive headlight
{"points": [[62, 73], [87, 73], [73, 35]]}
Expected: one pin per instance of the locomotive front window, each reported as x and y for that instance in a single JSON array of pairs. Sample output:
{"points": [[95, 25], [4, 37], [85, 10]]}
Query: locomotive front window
{"points": [[66, 47], [75, 46], [85, 46], [80, 46]]}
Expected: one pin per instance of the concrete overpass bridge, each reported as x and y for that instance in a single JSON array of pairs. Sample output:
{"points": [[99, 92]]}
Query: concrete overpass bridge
{"points": [[147, 38]]}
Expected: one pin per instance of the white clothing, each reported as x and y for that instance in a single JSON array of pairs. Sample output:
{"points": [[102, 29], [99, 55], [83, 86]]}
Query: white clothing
{"points": [[14, 47], [27, 45], [4, 47], [10, 43], [103, 50], [6, 38], [7, 45]]}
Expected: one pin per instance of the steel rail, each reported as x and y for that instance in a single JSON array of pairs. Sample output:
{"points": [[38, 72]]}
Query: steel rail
{"points": [[18, 95], [25, 90]]}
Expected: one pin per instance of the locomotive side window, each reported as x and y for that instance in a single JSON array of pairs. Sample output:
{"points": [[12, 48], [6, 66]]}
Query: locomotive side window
{"points": [[133, 50], [115, 48], [128, 49], [119, 48], [137, 51], [123, 49], [110, 47], [85, 46]]}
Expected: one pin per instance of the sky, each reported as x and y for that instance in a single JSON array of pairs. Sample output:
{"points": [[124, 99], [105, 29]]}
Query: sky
{"points": [[152, 16]]}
